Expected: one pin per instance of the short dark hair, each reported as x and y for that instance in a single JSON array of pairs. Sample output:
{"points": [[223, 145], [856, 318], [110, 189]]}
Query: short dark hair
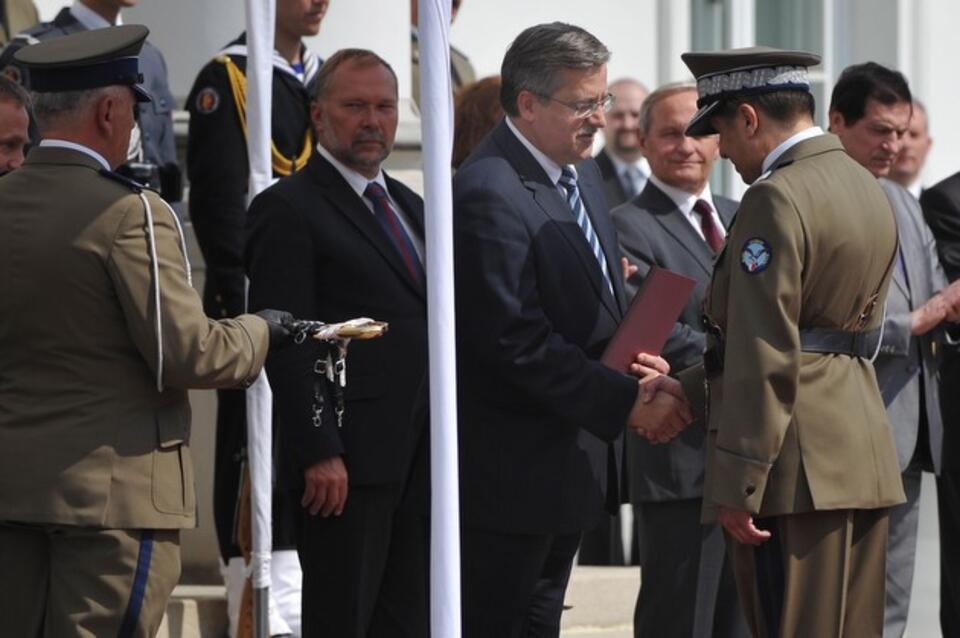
{"points": [[13, 92], [538, 54], [784, 106], [363, 57], [862, 82]]}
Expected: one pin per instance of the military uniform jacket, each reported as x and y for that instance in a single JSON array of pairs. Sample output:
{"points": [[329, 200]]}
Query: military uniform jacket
{"points": [[156, 117], [218, 168], [790, 431], [86, 437]]}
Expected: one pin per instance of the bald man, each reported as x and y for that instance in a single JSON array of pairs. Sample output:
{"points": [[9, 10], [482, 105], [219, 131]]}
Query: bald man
{"points": [[621, 161]]}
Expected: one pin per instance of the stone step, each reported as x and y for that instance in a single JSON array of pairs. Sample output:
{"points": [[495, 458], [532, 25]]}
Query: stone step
{"points": [[600, 599]]}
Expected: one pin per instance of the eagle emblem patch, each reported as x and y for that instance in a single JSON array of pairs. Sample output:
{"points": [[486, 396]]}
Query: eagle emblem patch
{"points": [[755, 256]]}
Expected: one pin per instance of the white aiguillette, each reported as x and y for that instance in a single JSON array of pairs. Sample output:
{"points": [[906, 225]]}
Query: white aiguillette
{"points": [[652, 314]]}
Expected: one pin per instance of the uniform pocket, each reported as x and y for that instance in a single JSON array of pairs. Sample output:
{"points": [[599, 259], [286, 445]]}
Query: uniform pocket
{"points": [[173, 477]]}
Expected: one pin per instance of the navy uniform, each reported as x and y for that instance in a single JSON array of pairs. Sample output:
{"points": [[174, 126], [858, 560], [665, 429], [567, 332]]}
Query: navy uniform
{"points": [[102, 335], [154, 160], [218, 172]]}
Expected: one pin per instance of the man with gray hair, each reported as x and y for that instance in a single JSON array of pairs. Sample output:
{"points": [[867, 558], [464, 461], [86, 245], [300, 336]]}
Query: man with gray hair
{"points": [[678, 224], [14, 124], [541, 418], [102, 336]]}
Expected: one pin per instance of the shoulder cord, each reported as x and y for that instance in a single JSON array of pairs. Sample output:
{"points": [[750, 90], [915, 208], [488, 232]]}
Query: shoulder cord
{"points": [[155, 268], [282, 166]]}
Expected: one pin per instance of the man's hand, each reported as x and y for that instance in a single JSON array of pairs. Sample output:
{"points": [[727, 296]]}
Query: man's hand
{"points": [[662, 416], [279, 322], [325, 490], [629, 270], [646, 366], [951, 295], [739, 524]]}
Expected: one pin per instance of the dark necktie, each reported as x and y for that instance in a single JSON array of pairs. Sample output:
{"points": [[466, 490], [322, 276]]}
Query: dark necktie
{"points": [[383, 211], [711, 232], [568, 180]]}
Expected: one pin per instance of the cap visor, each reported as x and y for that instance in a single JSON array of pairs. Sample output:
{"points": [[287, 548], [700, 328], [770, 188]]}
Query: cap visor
{"points": [[141, 93], [700, 124]]}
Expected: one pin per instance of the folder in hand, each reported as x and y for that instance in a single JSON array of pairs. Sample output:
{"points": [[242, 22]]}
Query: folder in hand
{"points": [[649, 319]]}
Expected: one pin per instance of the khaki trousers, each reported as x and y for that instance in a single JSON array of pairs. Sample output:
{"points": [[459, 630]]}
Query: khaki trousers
{"points": [[820, 574], [61, 581]]}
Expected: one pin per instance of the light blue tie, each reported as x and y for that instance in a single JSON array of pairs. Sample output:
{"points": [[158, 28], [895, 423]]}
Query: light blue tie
{"points": [[568, 180]]}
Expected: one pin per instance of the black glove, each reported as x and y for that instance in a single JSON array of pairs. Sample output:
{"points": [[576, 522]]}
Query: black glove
{"points": [[280, 323]]}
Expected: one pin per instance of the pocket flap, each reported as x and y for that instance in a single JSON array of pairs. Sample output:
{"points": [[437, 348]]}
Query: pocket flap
{"points": [[173, 425]]}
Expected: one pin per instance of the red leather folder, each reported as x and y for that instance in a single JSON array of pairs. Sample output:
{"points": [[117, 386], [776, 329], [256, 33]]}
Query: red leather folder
{"points": [[649, 319]]}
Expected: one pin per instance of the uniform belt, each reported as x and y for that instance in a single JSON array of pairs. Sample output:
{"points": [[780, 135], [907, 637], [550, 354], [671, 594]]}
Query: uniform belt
{"points": [[829, 341], [815, 340]]}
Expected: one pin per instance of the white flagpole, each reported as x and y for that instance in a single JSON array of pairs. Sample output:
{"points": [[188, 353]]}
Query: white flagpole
{"points": [[436, 116], [260, 28]]}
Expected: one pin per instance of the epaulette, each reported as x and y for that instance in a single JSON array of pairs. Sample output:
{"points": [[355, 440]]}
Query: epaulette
{"points": [[133, 185]]}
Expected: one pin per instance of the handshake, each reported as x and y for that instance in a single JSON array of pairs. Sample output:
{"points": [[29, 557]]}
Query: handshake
{"points": [[661, 410]]}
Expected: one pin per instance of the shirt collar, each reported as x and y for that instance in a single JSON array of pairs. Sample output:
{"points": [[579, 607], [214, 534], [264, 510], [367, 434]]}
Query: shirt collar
{"points": [[620, 166], [356, 181], [86, 150], [90, 18], [786, 145], [916, 188], [683, 200], [551, 168]]}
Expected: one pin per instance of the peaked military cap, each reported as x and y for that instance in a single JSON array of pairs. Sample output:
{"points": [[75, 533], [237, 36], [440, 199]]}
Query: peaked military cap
{"points": [[87, 60], [738, 72]]}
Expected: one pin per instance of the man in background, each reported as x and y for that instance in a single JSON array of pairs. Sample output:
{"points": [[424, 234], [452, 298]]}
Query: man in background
{"points": [[913, 154], [14, 124], [622, 165], [461, 71], [870, 111], [152, 156], [218, 170], [677, 223]]}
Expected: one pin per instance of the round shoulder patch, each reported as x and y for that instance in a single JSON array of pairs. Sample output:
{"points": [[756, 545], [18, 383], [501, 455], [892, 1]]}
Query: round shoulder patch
{"points": [[208, 101], [755, 256]]}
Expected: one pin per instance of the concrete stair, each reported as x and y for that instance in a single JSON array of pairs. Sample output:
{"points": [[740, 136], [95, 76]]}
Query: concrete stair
{"points": [[601, 601]]}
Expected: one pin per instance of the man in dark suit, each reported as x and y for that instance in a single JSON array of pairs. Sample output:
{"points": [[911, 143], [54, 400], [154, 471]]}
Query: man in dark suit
{"points": [[941, 209], [622, 165], [340, 240], [538, 270], [676, 223]]}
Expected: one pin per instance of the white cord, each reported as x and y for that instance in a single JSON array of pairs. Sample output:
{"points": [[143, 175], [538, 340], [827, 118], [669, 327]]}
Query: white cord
{"points": [[883, 321], [155, 267]]}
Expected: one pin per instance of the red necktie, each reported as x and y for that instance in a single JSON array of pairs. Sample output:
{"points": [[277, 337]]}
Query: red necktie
{"points": [[387, 217], [711, 232]]}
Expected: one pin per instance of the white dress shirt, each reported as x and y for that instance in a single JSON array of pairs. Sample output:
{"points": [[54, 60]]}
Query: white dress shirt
{"points": [[86, 150], [642, 172], [684, 201], [359, 183], [785, 146]]}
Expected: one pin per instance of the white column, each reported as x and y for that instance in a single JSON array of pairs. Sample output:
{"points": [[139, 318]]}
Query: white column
{"points": [[673, 38], [741, 32]]}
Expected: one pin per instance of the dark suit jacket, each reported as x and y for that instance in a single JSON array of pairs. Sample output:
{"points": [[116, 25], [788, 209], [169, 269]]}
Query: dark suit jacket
{"points": [[316, 250], [612, 186], [653, 231], [941, 210], [540, 418]]}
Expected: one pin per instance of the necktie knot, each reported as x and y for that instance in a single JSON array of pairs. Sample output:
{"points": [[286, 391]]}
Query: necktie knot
{"points": [[568, 178], [708, 225], [375, 192]]}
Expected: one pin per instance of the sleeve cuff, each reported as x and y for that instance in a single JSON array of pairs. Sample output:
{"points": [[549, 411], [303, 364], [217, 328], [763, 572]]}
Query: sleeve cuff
{"points": [[739, 482]]}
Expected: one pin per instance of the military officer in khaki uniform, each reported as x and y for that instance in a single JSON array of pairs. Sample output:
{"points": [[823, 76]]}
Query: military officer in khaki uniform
{"points": [[461, 70], [102, 335], [801, 466]]}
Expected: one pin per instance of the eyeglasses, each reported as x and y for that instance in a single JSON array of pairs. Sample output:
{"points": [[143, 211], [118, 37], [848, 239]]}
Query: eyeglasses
{"points": [[583, 110]]}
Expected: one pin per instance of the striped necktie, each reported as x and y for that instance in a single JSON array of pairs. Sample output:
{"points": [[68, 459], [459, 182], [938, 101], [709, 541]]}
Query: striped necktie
{"points": [[384, 213], [568, 180]]}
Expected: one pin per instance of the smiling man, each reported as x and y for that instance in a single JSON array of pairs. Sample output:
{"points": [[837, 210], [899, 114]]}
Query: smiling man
{"points": [[678, 224], [622, 165], [537, 264]]}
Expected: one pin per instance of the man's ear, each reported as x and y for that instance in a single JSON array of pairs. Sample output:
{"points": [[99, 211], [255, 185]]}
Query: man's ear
{"points": [[837, 121], [106, 113], [316, 115], [749, 118], [526, 105]]}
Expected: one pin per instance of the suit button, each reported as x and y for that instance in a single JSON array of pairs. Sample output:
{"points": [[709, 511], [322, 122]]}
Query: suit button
{"points": [[749, 490]]}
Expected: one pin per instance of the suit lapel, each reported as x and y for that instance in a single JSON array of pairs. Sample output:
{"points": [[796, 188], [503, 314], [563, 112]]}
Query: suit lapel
{"points": [[667, 214], [595, 201], [350, 205], [548, 199]]}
